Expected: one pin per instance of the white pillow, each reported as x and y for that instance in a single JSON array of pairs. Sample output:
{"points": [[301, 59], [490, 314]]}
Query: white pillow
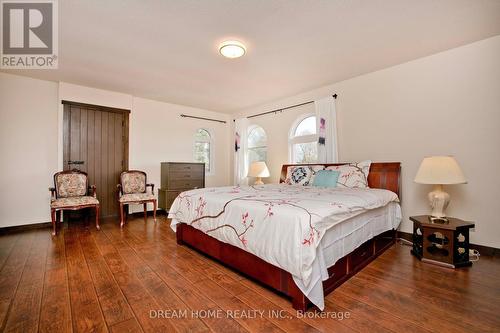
{"points": [[353, 175], [302, 174]]}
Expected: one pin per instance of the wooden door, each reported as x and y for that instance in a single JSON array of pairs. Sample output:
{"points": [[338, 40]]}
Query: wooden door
{"points": [[95, 140]]}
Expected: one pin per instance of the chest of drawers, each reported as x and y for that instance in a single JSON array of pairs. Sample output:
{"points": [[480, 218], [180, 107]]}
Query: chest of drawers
{"points": [[178, 177]]}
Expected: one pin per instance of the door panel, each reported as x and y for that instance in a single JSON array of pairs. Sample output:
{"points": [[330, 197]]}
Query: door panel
{"points": [[99, 139]]}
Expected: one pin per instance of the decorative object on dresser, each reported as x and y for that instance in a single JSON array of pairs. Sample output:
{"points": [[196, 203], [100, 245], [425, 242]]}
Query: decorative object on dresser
{"points": [[445, 244], [258, 170], [71, 191], [177, 177], [439, 171], [133, 189]]}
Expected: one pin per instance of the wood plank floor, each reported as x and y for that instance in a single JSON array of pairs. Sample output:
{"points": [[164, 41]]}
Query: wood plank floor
{"points": [[115, 280]]}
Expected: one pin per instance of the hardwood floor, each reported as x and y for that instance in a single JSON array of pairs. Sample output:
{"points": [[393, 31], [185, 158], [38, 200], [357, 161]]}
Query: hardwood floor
{"points": [[84, 280]]}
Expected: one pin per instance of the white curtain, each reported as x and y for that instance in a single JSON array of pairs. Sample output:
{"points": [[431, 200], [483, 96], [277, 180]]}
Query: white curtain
{"points": [[240, 151], [326, 122]]}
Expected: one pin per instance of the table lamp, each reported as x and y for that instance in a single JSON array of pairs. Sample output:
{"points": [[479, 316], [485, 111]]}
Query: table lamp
{"points": [[439, 171], [258, 170]]}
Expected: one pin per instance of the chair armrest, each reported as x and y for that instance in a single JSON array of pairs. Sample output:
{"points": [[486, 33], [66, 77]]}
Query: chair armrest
{"points": [[52, 192], [92, 190], [152, 187], [120, 190]]}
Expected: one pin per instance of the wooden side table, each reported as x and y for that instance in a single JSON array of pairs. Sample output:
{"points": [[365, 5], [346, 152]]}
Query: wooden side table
{"points": [[445, 244]]}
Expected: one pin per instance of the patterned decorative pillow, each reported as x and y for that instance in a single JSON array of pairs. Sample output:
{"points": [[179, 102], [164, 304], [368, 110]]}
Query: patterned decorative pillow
{"points": [[301, 175], [134, 182], [71, 185], [353, 175]]}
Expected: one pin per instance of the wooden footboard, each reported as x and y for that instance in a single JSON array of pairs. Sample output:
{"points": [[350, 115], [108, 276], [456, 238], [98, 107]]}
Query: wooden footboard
{"points": [[276, 278]]}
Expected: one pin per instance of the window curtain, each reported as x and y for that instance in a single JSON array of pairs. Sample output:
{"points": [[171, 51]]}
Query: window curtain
{"points": [[326, 127], [240, 151]]}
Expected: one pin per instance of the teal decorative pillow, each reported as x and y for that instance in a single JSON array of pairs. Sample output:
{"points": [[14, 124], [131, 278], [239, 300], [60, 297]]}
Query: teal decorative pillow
{"points": [[326, 178]]}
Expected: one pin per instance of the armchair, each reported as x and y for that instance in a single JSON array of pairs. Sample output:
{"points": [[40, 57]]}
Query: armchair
{"points": [[72, 192], [133, 190]]}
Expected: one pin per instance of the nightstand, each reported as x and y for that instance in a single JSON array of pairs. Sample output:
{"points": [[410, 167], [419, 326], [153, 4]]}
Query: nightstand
{"points": [[445, 244]]}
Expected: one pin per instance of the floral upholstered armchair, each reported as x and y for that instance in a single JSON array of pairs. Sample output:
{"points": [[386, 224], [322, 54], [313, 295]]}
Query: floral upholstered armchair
{"points": [[133, 190], [72, 192]]}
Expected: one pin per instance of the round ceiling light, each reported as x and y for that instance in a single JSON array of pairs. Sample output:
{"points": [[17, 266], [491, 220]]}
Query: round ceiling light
{"points": [[232, 49]]}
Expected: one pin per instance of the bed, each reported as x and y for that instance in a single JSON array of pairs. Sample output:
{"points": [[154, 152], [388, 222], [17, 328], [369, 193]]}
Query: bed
{"points": [[255, 230]]}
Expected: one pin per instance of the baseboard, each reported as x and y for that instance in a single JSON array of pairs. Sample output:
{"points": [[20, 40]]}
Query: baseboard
{"points": [[42, 225], [150, 213], [483, 250], [24, 227], [404, 235]]}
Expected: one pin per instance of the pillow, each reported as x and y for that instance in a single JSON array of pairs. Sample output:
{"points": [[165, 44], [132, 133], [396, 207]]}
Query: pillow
{"points": [[326, 178], [353, 175], [301, 175]]}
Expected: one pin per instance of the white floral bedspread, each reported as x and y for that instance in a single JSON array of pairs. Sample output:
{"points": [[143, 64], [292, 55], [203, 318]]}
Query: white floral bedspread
{"points": [[281, 224]]}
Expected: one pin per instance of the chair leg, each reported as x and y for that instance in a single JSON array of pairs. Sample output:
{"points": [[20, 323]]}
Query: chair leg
{"points": [[98, 227], [145, 211], [53, 216], [121, 215], [154, 210]]}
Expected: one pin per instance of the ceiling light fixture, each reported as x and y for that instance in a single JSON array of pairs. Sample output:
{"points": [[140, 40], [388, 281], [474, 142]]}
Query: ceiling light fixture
{"points": [[232, 49]]}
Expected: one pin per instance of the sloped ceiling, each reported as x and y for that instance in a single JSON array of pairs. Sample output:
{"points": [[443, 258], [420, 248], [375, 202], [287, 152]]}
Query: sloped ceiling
{"points": [[167, 50]]}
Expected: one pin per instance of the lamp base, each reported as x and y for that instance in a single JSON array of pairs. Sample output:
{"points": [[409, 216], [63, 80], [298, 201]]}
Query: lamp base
{"points": [[258, 181], [438, 220], [438, 200]]}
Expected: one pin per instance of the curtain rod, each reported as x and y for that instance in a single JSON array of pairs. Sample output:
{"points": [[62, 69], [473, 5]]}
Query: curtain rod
{"points": [[286, 108], [202, 118]]}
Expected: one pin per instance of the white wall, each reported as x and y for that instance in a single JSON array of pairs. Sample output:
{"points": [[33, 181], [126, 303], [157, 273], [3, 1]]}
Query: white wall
{"points": [[31, 136], [159, 134], [447, 103], [28, 149]]}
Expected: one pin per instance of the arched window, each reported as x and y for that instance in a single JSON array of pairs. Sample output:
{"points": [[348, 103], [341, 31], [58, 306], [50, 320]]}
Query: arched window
{"points": [[203, 149], [303, 142], [257, 144]]}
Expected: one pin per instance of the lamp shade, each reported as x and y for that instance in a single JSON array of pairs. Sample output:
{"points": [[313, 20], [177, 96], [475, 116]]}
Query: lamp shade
{"points": [[258, 169], [440, 170]]}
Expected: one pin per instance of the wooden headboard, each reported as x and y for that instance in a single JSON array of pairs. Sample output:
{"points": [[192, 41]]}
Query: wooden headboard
{"points": [[385, 175]]}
